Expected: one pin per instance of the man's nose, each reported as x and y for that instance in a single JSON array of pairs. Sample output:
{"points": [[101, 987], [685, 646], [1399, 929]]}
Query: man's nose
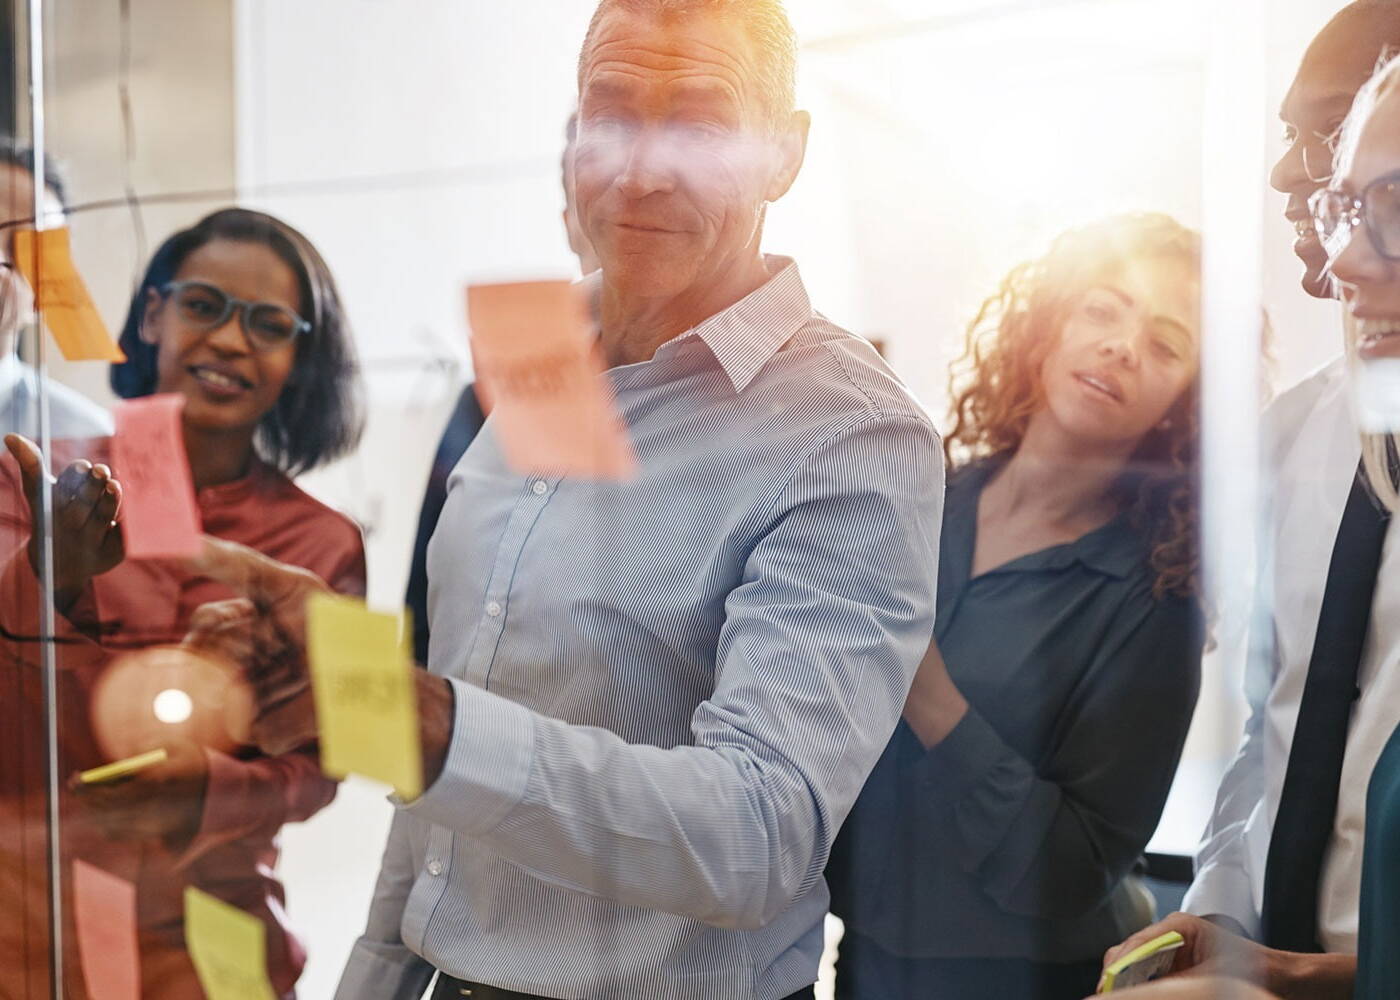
{"points": [[650, 167], [1290, 173]]}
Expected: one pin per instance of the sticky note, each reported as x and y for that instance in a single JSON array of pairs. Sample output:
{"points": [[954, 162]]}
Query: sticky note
{"points": [[366, 703], [158, 516], [45, 258], [228, 948], [105, 913], [552, 408]]}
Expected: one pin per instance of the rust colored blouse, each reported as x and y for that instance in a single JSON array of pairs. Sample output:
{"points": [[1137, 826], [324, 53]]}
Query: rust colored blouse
{"points": [[248, 796]]}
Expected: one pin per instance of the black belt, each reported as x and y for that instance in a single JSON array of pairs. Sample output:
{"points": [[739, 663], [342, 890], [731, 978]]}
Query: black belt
{"points": [[448, 988]]}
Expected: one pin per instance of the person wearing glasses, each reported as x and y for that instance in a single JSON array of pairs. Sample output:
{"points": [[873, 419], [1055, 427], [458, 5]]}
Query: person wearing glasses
{"points": [[71, 415], [1357, 220], [240, 316]]}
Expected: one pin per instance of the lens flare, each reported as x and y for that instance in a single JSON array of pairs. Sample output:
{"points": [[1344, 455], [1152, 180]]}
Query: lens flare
{"points": [[172, 706], [169, 693]]}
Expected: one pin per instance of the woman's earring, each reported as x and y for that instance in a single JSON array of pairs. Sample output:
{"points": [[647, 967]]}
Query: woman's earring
{"points": [[1165, 425]]}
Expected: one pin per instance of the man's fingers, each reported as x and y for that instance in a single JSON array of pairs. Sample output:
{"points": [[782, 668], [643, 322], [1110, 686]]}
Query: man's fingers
{"points": [[220, 615], [250, 573]]}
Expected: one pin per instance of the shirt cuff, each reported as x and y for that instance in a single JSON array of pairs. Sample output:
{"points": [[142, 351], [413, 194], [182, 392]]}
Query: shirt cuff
{"points": [[487, 766], [965, 757], [1224, 890], [377, 971]]}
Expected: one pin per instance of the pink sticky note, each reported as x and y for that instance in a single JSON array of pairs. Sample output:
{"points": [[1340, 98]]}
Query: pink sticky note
{"points": [[158, 516], [105, 913], [552, 406]]}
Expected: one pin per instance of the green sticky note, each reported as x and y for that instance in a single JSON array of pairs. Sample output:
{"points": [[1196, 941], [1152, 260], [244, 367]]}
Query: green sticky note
{"points": [[228, 948], [366, 706]]}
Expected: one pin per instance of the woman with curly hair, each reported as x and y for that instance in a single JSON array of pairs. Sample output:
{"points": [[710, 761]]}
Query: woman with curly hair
{"points": [[991, 850]]}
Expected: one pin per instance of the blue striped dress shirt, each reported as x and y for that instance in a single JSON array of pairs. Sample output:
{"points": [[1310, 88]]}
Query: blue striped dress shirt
{"points": [[668, 691]]}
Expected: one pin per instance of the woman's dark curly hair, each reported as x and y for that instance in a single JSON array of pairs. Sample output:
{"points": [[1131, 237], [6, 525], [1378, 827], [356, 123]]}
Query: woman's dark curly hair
{"points": [[996, 386], [320, 415]]}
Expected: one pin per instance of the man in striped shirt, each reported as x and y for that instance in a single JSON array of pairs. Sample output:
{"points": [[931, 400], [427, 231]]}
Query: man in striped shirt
{"points": [[650, 705]]}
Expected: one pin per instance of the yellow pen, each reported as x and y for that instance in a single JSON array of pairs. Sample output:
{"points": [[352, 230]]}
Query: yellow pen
{"points": [[117, 770]]}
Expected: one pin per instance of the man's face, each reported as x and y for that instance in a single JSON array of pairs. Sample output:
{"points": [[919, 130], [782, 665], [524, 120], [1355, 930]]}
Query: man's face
{"points": [[674, 160], [1339, 61]]}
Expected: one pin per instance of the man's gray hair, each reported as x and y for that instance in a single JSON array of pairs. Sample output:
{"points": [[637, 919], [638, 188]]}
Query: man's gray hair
{"points": [[766, 23]]}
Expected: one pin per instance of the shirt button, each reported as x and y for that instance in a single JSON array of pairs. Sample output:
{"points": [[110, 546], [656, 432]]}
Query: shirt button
{"points": [[541, 487], [493, 609], [435, 868]]}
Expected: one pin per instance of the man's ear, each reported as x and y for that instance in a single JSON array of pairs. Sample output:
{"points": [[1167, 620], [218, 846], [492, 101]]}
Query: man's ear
{"points": [[790, 148], [153, 304]]}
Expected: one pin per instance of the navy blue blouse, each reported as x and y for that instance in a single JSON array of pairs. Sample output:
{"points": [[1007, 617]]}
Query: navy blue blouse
{"points": [[1015, 837]]}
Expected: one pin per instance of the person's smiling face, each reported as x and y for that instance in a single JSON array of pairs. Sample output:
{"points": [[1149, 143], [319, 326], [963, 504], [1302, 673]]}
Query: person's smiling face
{"points": [[227, 384], [675, 157], [1337, 64], [1371, 283]]}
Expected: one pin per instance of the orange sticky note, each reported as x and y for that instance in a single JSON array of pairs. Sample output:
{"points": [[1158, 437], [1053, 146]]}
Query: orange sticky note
{"points": [[552, 407], [158, 516], [105, 914], [228, 948], [46, 261]]}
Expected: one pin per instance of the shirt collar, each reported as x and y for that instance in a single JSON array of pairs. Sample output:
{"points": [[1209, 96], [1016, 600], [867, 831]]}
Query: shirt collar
{"points": [[744, 337], [10, 373], [1115, 549]]}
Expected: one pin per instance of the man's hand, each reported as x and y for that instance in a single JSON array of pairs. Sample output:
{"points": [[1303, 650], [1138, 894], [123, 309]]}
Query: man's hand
{"points": [[264, 632], [1196, 988], [1211, 950], [86, 539], [164, 800], [1208, 946]]}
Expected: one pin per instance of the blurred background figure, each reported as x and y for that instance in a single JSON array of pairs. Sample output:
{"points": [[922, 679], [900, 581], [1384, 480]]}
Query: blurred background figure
{"points": [[467, 418], [1358, 224], [1281, 858], [990, 853], [72, 414], [240, 316]]}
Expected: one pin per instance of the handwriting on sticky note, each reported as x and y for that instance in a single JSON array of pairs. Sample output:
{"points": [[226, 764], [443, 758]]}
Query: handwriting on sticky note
{"points": [[159, 518], [105, 913], [551, 405], [45, 258], [228, 948], [366, 705]]}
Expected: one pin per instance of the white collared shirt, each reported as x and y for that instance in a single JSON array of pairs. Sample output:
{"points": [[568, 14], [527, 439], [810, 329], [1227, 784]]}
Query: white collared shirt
{"points": [[71, 414], [1312, 450]]}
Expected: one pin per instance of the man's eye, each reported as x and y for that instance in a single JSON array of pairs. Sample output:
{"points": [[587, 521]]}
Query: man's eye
{"points": [[1100, 313], [607, 129]]}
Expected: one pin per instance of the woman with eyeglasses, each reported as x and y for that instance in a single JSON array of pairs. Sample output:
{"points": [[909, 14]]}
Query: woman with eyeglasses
{"points": [[240, 317], [1357, 219], [990, 854]]}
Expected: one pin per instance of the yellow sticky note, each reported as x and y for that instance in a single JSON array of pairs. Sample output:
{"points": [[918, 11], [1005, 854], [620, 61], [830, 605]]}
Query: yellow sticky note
{"points": [[366, 706], [228, 948], [46, 261]]}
